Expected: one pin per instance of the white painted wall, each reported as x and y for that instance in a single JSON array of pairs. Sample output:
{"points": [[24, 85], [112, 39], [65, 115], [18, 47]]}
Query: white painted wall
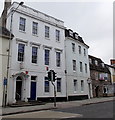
{"points": [[3, 63], [71, 75], [38, 70], [1, 83]]}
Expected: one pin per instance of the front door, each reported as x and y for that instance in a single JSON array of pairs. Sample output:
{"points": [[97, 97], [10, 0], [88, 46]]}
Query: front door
{"points": [[97, 91], [18, 90], [33, 91]]}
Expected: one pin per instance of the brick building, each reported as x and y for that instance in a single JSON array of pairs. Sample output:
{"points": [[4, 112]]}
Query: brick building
{"points": [[100, 76]]}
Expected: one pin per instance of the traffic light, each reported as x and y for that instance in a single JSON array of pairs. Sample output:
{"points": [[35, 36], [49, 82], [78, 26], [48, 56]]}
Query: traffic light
{"points": [[54, 76], [49, 75]]}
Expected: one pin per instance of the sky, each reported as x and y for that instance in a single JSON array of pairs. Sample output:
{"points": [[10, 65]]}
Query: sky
{"points": [[91, 19]]}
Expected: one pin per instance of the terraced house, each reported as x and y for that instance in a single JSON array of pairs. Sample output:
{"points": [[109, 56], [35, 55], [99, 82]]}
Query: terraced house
{"points": [[100, 76], [4, 43], [38, 46], [77, 67], [42, 43]]}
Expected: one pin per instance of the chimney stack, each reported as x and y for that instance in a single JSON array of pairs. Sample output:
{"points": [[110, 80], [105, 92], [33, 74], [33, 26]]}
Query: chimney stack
{"points": [[7, 4], [112, 62]]}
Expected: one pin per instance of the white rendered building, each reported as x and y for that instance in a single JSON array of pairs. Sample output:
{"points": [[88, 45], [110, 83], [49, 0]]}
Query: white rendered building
{"points": [[4, 43], [77, 67], [38, 46]]}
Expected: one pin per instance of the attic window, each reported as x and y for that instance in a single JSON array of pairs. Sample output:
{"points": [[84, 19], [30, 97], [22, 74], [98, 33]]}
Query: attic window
{"points": [[76, 36], [96, 62], [71, 33], [90, 61], [102, 65]]}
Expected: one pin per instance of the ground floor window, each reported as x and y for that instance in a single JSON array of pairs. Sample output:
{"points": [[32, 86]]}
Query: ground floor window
{"points": [[75, 85], [46, 85], [58, 84], [82, 85]]}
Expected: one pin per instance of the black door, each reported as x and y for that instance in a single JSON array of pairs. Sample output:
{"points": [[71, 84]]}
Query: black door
{"points": [[97, 91], [18, 90]]}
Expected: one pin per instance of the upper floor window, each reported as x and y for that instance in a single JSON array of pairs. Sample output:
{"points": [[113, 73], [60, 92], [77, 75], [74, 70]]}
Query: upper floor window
{"points": [[79, 49], [21, 52], [47, 55], [22, 24], [71, 33], [46, 85], [47, 30], [81, 69], [35, 28], [90, 60], [96, 62], [84, 52], [76, 36], [58, 59], [85, 67], [58, 84], [34, 54], [74, 65], [103, 65], [73, 47], [57, 35]]}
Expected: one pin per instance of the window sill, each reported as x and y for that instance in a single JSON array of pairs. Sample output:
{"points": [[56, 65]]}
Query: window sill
{"points": [[35, 35], [47, 38], [34, 64], [58, 41], [22, 31]]}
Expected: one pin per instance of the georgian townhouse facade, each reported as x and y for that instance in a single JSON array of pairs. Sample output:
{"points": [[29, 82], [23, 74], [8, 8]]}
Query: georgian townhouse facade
{"points": [[100, 76], [38, 46], [77, 67]]}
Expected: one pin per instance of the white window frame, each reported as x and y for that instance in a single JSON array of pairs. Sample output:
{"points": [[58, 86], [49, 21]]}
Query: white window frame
{"points": [[47, 32], [60, 87], [81, 66], [73, 47], [22, 27], [75, 85], [58, 60], [84, 52], [57, 35], [20, 52], [32, 55], [82, 85], [86, 68], [34, 28], [44, 57], [74, 65], [79, 47], [46, 80]]}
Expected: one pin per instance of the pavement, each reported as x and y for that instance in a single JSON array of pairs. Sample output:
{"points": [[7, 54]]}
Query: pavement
{"points": [[50, 106]]}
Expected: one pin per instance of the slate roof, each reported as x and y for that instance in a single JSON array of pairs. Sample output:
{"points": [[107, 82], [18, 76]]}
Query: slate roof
{"points": [[99, 66], [80, 39], [5, 32]]}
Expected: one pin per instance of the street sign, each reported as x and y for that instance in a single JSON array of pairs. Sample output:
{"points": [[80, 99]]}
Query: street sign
{"points": [[5, 81]]}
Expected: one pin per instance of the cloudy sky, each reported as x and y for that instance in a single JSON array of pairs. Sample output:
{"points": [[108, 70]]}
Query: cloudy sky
{"points": [[93, 20]]}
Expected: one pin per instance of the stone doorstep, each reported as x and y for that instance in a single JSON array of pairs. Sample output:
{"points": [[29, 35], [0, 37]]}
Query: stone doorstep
{"points": [[22, 104]]}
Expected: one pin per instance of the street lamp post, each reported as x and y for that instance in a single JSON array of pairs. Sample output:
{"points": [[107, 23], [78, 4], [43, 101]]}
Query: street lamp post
{"points": [[9, 47]]}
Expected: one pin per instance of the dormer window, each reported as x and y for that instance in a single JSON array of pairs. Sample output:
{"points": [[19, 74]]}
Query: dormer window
{"points": [[96, 62], [90, 61], [71, 33], [76, 36], [102, 65]]}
